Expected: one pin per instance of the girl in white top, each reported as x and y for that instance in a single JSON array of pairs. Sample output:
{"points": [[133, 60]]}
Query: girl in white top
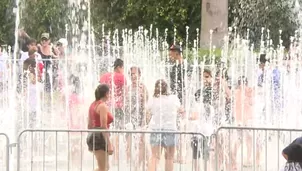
{"points": [[164, 109]]}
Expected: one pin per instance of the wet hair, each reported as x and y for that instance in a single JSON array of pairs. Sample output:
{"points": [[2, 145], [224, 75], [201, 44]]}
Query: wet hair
{"points": [[75, 81], [161, 88], [208, 71], [176, 48], [29, 64], [137, 69], [242, 79], [118, 63], [101, 91]]}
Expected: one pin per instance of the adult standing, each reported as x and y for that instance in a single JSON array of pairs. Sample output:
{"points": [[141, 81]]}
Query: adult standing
{"points": [[177, 76], [48, 53], [164, 109], [117, 84], [136, 111], [201, 116], [100, 118]]}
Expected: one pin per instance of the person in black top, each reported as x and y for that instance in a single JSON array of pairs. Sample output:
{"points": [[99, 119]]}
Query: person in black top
{"points": [[178, 72], [177, 76], [49, 56]]}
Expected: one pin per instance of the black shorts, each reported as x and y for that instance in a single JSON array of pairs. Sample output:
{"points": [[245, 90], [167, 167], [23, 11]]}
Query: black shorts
{"points": [[96, 141]]}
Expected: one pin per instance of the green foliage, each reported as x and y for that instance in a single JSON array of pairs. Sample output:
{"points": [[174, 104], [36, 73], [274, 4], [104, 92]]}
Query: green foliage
{"points": [[7, 22], [206, 55], [273, 15], [162, 14], [40, 16]]}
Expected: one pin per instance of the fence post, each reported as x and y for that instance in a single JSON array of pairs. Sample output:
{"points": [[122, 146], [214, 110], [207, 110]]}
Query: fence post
{"points": [[7, 146]]}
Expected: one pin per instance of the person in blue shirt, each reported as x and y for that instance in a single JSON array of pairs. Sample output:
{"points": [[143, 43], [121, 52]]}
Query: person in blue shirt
{"points": [[276, 88]]}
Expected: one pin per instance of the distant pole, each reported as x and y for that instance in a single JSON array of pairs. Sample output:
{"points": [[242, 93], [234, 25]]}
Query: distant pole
{"points": [[214, 16]]}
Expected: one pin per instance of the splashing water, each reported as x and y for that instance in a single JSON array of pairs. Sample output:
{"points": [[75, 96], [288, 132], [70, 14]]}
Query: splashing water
{"points": [[275, 100]]}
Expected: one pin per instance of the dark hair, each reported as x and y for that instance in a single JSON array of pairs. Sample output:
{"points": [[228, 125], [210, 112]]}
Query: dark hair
{"points": [[101, 91], [208, 71], [30, 41], [197, 95], [262, 59], [176, 48], [29, 64], [295, 154], [75, 80], [137, 69], [161, 88], [118, 63]]}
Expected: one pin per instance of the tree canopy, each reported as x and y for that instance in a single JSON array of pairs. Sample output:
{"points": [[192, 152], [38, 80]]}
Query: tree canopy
{"points": [[38, 16]]}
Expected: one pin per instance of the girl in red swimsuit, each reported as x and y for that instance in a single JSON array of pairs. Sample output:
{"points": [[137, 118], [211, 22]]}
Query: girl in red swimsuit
{"points": [[100, 118]]}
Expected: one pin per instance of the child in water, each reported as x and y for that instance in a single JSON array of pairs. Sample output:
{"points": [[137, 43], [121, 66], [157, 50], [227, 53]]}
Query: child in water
{"points": [[32, 91], [74, 104], [75, 119]]}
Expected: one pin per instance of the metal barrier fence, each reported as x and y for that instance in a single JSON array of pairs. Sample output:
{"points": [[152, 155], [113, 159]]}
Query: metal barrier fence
{"points": [[247, 148], [235, 148], [67, 150], [4, 152]]}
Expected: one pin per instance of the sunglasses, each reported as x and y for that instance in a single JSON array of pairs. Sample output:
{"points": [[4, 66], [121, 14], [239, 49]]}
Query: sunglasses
{"points": [[44, 39]]}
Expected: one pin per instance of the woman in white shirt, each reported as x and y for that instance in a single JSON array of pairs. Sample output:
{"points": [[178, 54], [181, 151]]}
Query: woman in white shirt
{"points": [[164, 109]]}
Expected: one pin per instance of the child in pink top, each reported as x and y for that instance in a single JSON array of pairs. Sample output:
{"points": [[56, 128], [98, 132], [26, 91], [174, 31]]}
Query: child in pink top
{"points": [[75, 101], [75, 119]]}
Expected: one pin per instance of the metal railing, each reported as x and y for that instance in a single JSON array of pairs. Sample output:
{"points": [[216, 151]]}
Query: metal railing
{"points": [[243, 148], [4, 152], [68, 150], [230, 148]]}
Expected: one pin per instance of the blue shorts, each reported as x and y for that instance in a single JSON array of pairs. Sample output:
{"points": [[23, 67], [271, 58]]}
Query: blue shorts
{"points": [[163, 139]]}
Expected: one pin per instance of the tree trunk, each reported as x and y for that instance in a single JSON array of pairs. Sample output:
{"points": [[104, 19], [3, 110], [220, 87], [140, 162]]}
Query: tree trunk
{"points": [[214, 16]]}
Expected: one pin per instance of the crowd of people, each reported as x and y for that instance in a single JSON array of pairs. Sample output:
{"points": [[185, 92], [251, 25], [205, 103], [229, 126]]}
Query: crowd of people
{"points": [[122, 105], [39, 70], [165, 110], [162, 112]]}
